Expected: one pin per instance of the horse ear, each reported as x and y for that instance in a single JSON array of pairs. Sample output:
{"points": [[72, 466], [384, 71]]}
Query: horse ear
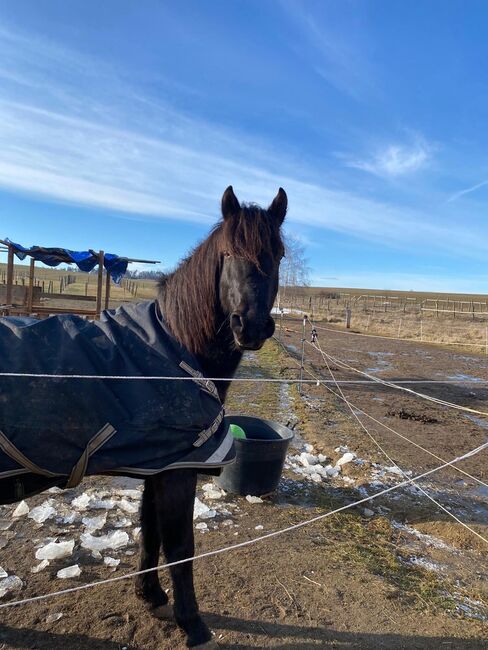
{"points": [[278, 208], [230, 204]]}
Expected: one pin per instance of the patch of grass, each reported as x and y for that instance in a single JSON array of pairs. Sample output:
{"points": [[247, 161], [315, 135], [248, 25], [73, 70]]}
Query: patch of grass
{"points": [[371, 543], [260, 399]]}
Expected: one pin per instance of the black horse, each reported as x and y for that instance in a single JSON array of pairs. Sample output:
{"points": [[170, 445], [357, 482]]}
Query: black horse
{"points": [[213, 307], [217, 304]]}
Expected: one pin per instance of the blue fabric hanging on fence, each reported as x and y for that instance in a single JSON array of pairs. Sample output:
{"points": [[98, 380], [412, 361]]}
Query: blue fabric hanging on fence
{"points": [[85, 260]]}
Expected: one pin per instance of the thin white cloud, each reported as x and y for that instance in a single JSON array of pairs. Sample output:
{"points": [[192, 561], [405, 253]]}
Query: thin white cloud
{"points": [[458, 195], [144, 159], [340, 61], [395, 160]]}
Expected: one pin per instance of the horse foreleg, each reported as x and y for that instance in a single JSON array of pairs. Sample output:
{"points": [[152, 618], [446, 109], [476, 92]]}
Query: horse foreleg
{"points": [[174, 497], [147, 584]]}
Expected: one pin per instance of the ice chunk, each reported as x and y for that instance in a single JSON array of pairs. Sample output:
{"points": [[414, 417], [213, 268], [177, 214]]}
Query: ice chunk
{"points": [[5, 524], [253, 499], [21, 510], [10, 585], [3, 573], [95, 523], [346, 458], [211, 491], [342, 449], [307, 459], [81, 502], [128, 507], [322, 458], [202, 511], [122, 522], [332, 472], [43, 512], [308, 448], [55, 550], [114, 540], [130, 494], [39, 567], [316, 478], [201, 526], [394, 470], [111, 561], [72, 571], [103, 504], [259, 527], [70, 519], [136, 532], [368, 512], [52, 618]]}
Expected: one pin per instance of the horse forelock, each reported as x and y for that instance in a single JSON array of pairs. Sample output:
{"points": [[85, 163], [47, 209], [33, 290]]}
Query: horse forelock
{"points": [[249, 234]]}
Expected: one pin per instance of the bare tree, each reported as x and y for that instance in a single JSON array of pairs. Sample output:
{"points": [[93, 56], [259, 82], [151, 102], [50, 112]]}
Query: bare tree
{"points": [[294, 269]]}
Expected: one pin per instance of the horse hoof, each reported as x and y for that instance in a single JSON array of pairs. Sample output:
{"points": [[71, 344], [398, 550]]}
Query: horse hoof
{"points": [[209, 645], [164, 612]]}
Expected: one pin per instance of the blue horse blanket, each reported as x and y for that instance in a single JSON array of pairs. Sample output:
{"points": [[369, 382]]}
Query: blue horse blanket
{"points": [[55, 430]]}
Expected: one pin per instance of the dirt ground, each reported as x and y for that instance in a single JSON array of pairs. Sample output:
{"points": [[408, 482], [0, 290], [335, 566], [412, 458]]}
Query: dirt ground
{"points": [[397, 575]]}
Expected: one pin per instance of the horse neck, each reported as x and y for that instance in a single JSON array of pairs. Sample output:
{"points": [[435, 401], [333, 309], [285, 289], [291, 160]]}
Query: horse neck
{"points": [[181, 306]]}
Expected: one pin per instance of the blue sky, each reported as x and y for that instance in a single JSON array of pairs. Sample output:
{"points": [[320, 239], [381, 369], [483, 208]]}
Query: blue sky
{"points": [[121, 123]]}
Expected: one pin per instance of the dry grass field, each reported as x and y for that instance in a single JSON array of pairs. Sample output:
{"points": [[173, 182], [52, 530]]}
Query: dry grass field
{"points": [[459, 320]]}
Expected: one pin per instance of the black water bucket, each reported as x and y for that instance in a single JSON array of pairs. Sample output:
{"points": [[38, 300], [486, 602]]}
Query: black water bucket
{"points": [[260, 457]]}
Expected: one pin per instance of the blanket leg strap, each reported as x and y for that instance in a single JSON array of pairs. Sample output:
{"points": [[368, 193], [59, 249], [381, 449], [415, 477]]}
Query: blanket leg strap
{"points": [[79, 470], [15, 454]]}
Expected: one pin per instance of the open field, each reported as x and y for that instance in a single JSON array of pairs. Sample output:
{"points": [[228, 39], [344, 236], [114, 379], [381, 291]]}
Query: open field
{"points": [[449, 319]]}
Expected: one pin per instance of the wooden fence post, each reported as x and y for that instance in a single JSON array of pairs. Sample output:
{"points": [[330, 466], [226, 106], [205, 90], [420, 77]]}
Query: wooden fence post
{"points": [[348, 318], [10, 278]]}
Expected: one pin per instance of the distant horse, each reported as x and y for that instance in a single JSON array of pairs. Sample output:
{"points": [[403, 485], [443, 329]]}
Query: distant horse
{"points": [[216, 304]]}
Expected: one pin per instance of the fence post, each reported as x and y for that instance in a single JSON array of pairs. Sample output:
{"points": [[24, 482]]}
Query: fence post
{"points": [[486, 340], [421, 331], [399, 327], [303, 354], [348, 318]]}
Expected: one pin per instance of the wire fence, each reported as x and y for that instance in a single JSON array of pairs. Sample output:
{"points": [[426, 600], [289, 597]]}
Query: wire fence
{"points": [[339, 393]]}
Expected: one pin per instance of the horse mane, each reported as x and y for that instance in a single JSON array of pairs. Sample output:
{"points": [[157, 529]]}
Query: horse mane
{"points": [[189, 295]]}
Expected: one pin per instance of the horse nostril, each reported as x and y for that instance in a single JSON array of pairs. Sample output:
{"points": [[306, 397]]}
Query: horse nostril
{"points": [[236, 322]]}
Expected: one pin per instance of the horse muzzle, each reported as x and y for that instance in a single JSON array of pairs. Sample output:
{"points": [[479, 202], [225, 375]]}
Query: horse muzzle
{"points": [[248, 334]]}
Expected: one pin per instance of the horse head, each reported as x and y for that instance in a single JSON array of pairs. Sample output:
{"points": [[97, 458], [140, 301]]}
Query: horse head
{"points": [[251, 249]]}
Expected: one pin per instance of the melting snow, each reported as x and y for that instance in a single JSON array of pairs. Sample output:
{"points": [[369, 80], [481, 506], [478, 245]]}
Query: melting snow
{"points": [[39, 567], [21, 510], [202, 511], [55, 550], [114, 540], [69, 572], [95, 523], [43, 512], [10, 585], [253, 499]]}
